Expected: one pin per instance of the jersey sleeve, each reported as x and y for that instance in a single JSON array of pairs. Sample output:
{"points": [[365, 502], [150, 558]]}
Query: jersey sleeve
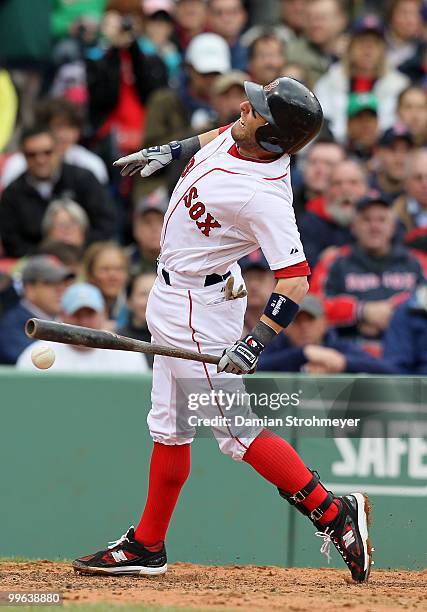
{"points": [[269, 219]]}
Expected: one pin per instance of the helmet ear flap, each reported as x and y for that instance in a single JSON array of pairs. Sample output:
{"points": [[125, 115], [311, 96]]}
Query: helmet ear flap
{"points": [[268, 139]]}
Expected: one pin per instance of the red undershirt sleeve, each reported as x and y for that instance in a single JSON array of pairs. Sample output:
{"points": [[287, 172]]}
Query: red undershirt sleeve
{"points": [[300, 269]]}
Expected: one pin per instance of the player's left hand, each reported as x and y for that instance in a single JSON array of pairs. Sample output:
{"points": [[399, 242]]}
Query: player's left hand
{"points": [[146, 161], [242, 357]]}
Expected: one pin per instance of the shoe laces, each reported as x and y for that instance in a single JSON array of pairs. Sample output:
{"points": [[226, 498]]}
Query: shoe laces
{"points": [[325, 549], [123, 538]]}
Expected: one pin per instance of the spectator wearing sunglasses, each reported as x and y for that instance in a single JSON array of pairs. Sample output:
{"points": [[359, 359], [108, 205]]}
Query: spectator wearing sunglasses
{"points": [[24, 202]]}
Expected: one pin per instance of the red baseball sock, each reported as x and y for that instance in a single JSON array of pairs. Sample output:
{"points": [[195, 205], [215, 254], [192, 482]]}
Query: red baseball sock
{"points": [[169, 469], [280, 464]]}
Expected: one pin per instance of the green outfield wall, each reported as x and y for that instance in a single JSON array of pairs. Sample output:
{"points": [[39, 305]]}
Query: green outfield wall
{"points": [[74, 452]]}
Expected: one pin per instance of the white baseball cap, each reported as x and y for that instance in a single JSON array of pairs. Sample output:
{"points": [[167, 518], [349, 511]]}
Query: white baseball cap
{"points": [[154, 6], [208, 53]]}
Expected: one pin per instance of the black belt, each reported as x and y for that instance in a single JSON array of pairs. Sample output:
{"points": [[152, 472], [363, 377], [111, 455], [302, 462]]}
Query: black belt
{"points": [[210, 279]]}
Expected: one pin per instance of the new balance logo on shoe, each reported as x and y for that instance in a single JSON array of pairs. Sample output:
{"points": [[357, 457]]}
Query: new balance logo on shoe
{"points": [[119, 555], [293, 251], [348, 538]]}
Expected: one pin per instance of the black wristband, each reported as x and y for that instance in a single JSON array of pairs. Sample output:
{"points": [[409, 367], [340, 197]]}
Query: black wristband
{"points": [[263, 333], [281, 309]]}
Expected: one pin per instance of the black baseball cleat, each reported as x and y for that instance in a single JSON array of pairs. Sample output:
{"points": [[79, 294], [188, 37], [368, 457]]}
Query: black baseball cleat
{"points": [[348, 532], [350, 536], [125, 557]]}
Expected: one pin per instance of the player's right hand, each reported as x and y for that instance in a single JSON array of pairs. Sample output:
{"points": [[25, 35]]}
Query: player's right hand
{"points": [[242, 357], [146, 161]]}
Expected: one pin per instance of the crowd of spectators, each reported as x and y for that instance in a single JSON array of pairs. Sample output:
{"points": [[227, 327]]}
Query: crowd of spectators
{"points": [[83, 82]]}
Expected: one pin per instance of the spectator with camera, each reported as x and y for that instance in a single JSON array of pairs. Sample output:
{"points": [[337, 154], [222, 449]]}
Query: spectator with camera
{"points": [[24, 202], [120, 78]]}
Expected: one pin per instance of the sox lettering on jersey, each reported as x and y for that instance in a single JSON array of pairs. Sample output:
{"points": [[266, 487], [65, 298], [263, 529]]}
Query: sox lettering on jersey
{"points": [[197, 210]]}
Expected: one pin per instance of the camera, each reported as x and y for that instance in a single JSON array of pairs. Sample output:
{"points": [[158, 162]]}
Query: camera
{"points": [[127, 24]]}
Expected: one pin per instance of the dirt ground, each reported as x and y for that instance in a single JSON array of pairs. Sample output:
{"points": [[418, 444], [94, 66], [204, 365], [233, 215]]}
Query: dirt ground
{"points": [[227, 588]]}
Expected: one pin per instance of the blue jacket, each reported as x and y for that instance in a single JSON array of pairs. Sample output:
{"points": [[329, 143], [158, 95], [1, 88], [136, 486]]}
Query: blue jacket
{"points": [[12, 335], [405, 342], [280, 356]]}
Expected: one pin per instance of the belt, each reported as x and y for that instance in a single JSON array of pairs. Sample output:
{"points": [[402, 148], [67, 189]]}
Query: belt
{"points": [[210, 279]]}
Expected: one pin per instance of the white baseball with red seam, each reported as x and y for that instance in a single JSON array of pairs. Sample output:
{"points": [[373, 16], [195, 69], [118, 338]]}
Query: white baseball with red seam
{"points": [[43, 357]]}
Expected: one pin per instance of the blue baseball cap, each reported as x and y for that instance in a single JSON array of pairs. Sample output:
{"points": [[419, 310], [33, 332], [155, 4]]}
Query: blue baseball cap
{"points": [[368, 23], [372, 198], [82, 295]]}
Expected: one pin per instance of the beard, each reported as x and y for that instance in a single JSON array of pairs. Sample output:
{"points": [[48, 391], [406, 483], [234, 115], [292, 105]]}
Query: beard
{"points": [[341, 211]]}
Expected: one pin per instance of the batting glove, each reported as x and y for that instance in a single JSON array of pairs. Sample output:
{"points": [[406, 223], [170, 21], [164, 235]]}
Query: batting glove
{"points": [[242, 357], [147, 161], [231, 293]]}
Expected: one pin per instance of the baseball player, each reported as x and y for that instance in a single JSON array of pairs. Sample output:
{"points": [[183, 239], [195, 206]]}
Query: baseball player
{"points": [[233, 196]]}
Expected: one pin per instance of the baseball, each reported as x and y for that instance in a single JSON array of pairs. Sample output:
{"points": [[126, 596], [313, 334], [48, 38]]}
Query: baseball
{"points": [[43, 357]]}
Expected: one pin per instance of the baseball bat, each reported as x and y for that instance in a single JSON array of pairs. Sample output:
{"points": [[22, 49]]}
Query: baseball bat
{"points": [[96, 338]]}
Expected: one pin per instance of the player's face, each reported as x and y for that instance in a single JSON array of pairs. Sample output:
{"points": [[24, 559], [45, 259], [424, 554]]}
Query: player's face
{"points": [[243, 131]]}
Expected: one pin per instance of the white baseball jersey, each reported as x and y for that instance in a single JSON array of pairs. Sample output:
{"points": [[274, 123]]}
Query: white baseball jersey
{"points": [[224, 206]]}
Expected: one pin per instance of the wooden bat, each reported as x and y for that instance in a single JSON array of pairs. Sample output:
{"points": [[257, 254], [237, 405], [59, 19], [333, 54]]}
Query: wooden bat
{"points": [[96, 338]]}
